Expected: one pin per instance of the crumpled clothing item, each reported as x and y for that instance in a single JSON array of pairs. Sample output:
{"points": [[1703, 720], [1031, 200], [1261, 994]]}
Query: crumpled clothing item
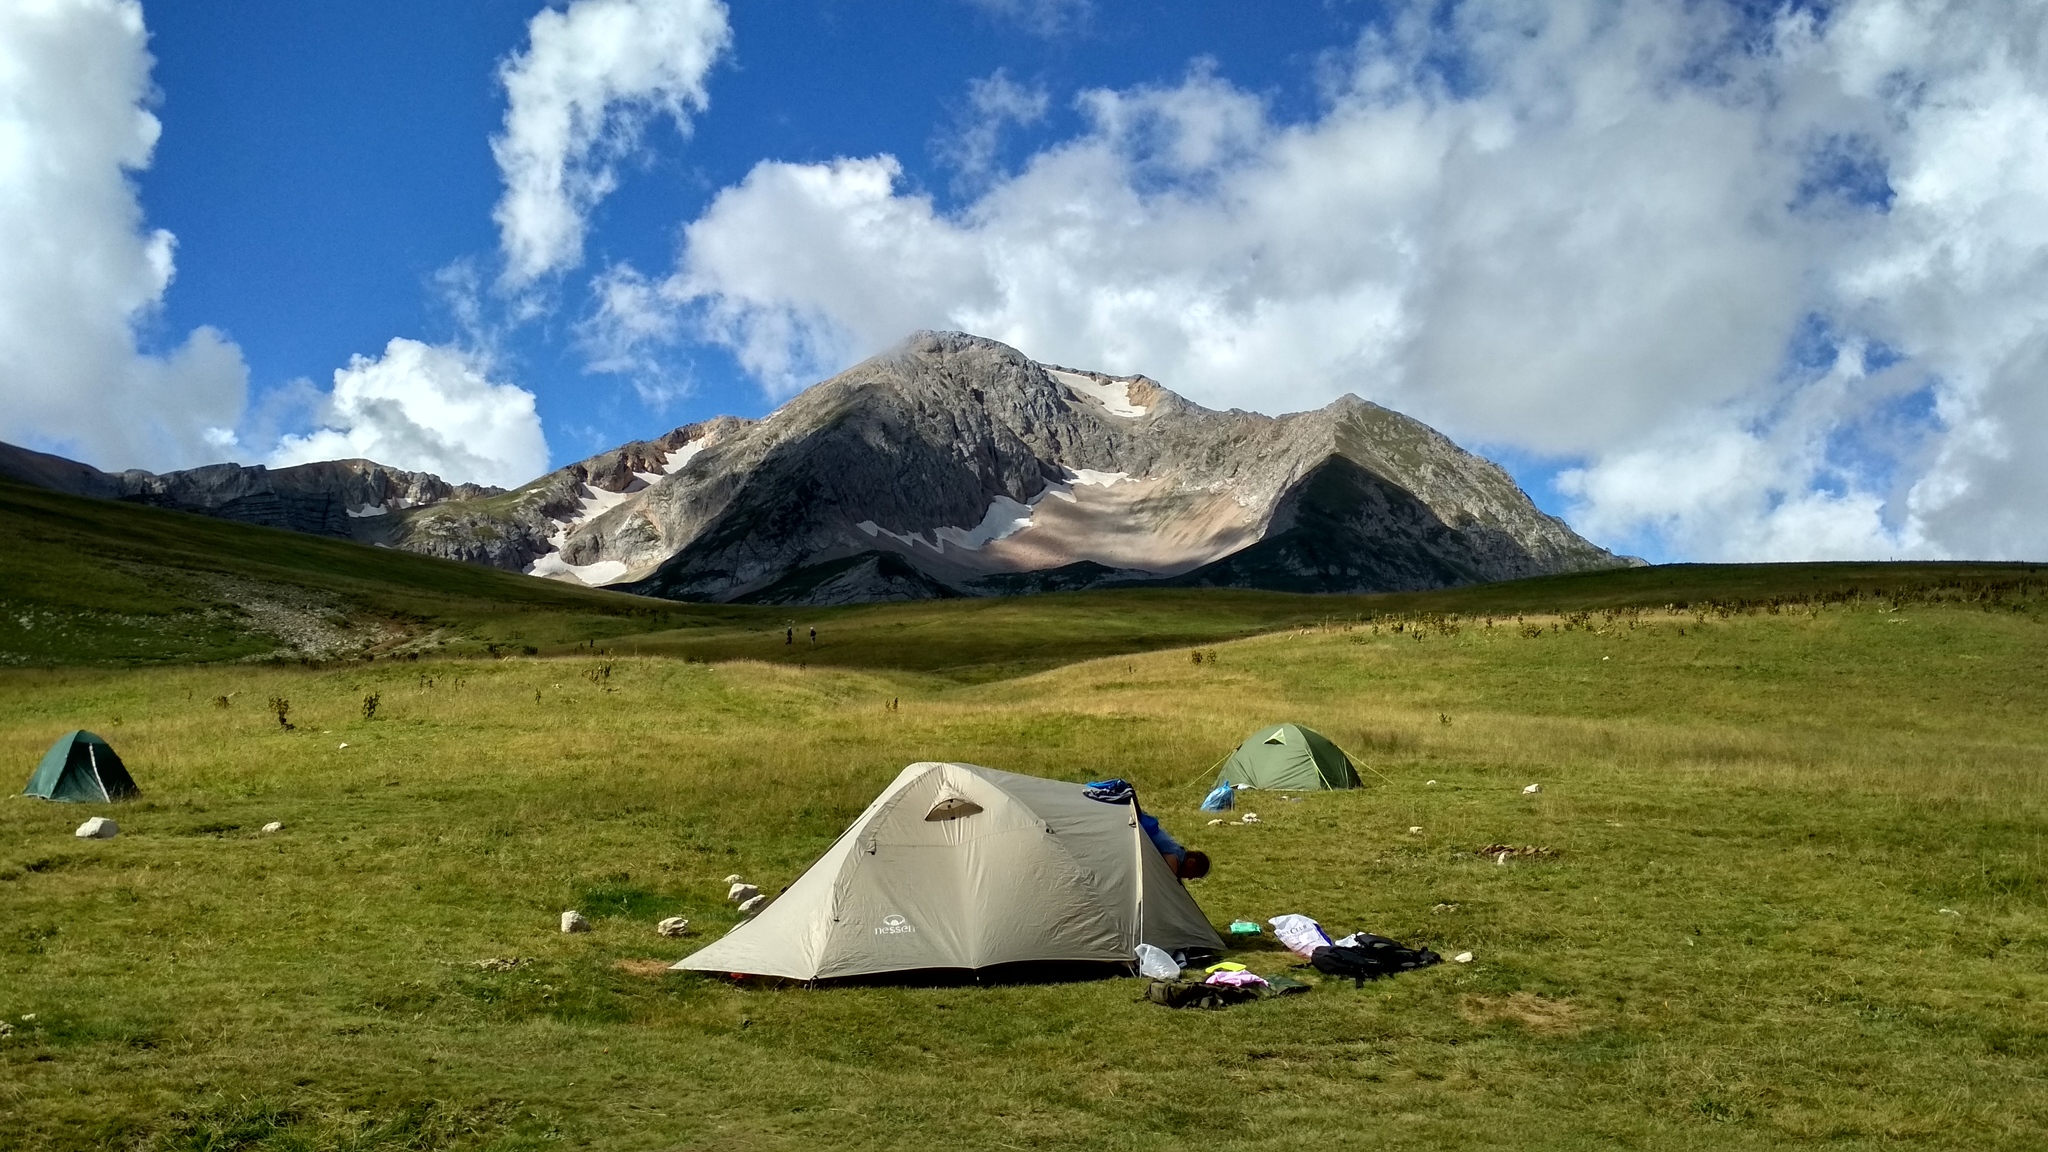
{"points": [[1301, 934], [1226, 966], [1236, 980], [1112, 791]]}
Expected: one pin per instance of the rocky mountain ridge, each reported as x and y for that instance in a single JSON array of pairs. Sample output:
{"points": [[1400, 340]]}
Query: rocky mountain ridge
{"points": [[350, 499], [955, 465]]}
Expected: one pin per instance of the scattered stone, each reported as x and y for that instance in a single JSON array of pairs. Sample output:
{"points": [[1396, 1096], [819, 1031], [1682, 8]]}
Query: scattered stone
{"points": [[274, 826], [1442, 908], [1216, 821], [1431, 783], [501, 964], [1501, 852], [341, 745], [6, 1029], [98, 828], [1950, 912], [732, 879], [1250, 818], [673, 926], [573, 921], [741, 893], [752, 904], [1415, 829], [1462, 958], [1532, 789]]}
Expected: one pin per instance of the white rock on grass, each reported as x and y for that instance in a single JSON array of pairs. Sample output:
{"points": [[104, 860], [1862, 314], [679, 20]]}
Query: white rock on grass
{"points": [[1415, 829], [1532, 789], [741, 893], [274, 826], [673, 926], [752, 904], [573, 921], [98, 828], [1462, 958], [735, 878]]}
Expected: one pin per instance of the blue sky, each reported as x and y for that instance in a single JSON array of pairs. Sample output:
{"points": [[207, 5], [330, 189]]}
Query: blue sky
{"points": [[320, 164], [1720, 280]]}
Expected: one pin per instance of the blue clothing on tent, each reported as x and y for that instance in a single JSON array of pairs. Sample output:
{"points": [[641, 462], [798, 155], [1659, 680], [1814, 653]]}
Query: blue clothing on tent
{"points": [[1221, 798], [1117, 791], [1112, 791]]}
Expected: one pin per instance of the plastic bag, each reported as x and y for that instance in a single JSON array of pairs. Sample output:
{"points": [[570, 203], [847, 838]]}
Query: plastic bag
{"points": [[1221, 798], [1156, 964], [1301, 934]]}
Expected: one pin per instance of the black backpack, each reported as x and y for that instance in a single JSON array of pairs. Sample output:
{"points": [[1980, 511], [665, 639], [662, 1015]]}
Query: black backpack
{"points": [[1370, 957]]}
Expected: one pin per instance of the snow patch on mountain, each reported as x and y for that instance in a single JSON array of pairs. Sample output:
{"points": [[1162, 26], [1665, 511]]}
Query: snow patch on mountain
{"points": [[594, 575], [1113, 394]]}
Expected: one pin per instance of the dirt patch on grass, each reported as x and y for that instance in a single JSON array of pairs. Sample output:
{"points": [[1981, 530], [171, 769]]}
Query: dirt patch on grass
{"points": [[650, 969], [1539, 1014]]}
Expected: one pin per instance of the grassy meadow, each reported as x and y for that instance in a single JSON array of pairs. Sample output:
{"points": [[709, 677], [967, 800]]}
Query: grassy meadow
{"points": [[1795, 896]]}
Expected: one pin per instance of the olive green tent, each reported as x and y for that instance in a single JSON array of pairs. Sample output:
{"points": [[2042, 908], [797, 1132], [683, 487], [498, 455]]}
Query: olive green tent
{"points": [[81, 767], [1288, 758], [956, 866]]}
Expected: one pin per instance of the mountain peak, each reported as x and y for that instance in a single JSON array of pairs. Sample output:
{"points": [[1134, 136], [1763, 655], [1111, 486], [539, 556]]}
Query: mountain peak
{"points": [[950, 464]]}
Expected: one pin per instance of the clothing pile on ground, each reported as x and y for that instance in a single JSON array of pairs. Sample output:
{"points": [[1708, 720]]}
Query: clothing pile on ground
{"points": [[1360, 956]]}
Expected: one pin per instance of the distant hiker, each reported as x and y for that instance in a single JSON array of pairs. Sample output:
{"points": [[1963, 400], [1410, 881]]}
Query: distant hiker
{"points": [[789, 635], [814, 636]]}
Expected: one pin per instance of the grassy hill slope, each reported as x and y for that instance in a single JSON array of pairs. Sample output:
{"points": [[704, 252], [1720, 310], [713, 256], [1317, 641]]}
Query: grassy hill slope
{"points": [[94, 582]]}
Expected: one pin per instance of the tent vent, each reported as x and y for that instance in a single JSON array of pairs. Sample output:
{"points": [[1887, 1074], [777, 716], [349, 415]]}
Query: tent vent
{"points": [[1277, 738], [952, 808]]}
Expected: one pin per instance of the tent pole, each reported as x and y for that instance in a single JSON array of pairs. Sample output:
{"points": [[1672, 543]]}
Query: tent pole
{"points": [[1212, 768], [1357, 763]]}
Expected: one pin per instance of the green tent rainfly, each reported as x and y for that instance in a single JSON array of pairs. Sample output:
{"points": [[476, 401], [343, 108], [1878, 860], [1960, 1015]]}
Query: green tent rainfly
{"points": [[1288, 758], [83, 768]]}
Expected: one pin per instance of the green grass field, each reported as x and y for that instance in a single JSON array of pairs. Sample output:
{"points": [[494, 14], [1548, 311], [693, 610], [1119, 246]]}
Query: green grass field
{"points": [[1797, 896]]}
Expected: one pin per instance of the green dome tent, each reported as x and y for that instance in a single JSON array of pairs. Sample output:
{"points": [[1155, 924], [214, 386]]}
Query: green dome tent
{"points": [[83, 768], [1288, 758]]}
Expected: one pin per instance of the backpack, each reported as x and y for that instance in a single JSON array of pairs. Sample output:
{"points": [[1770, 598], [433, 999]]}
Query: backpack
{"points": [[1370, 957], [1183, 994]]}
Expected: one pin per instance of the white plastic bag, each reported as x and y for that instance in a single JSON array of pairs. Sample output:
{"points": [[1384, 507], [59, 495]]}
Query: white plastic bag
{"points": [[1156, 964], [1301, 934]]}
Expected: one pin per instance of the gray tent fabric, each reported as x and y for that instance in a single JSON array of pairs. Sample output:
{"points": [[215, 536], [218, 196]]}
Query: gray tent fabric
{"points": [[960, 866]]}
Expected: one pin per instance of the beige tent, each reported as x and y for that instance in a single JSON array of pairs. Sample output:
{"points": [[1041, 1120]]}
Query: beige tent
{"points": [[957, 866]]}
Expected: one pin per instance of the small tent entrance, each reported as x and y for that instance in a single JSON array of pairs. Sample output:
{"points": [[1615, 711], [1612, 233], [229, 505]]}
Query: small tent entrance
{"points": [[1288, 758], [955, 866], [83, 768]]}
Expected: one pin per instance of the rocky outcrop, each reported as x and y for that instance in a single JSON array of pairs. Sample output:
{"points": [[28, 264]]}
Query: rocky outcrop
{"points": [[351, 499], [951, 465], [955, 465]]}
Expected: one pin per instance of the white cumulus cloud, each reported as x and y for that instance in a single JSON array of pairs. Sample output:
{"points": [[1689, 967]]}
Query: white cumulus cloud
{"points": [[426, 408], [79, 269], [1771, 287], [577, 98]]}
